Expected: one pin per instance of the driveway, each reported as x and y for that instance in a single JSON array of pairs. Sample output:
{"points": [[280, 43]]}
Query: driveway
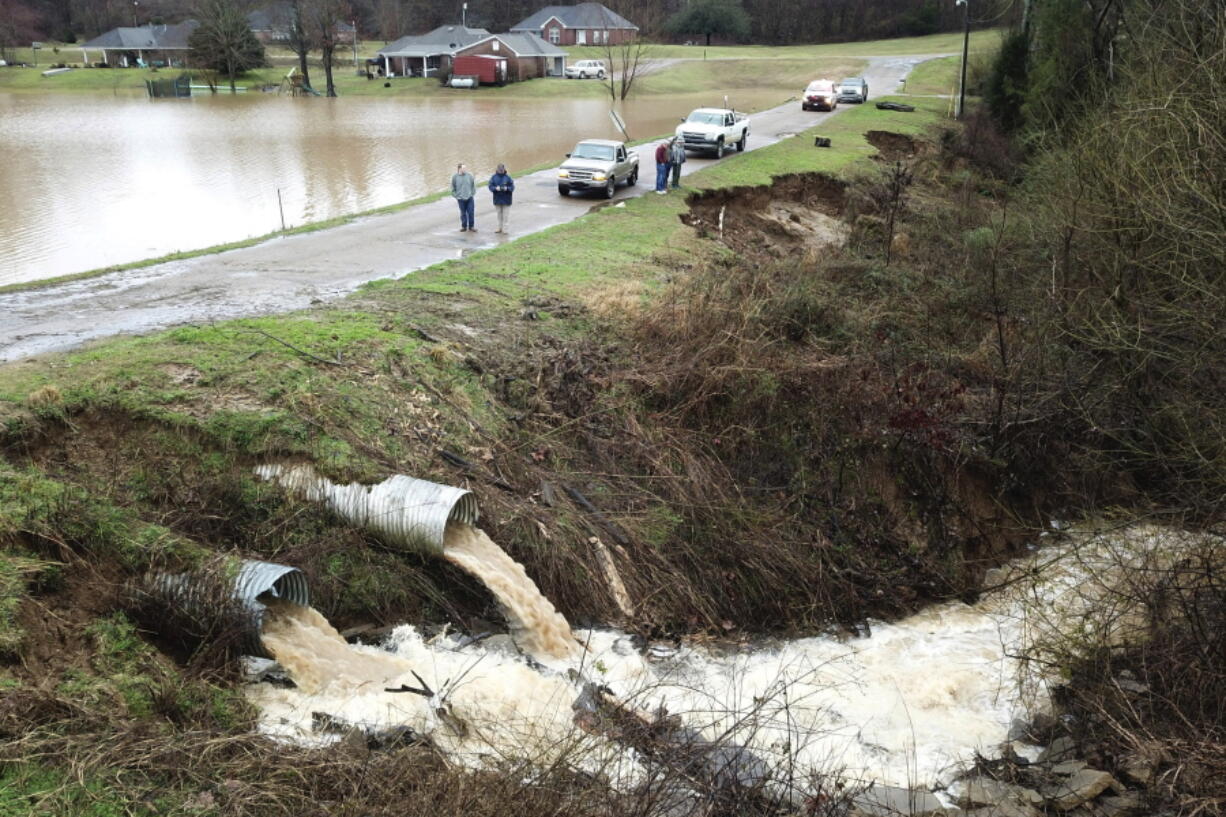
{"points": [[289, 273]]}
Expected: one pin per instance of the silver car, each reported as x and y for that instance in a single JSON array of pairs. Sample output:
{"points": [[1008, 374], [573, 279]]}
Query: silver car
{"points": [[853, 89]]}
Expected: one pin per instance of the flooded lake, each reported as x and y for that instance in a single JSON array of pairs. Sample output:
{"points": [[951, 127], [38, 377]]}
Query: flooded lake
{"points": [[91, 181]]}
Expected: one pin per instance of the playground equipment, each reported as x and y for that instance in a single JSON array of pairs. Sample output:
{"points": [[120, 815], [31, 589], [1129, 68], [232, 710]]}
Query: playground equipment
{"points": [[295, 84]]}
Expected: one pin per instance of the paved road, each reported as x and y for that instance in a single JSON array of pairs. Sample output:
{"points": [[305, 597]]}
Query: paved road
{"points": [[288, 273]]}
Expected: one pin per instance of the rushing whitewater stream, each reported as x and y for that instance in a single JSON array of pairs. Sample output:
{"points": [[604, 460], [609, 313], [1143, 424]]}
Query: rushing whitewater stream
{"points": [[905, 707]]}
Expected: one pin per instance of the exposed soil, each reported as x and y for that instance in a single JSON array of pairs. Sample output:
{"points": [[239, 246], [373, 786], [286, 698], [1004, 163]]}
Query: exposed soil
{"points": [[797, 213], [892, 147], [54, 623]]}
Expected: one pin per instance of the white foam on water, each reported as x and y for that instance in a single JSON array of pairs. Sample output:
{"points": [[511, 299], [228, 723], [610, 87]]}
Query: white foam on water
{"points": [[903, 707]]}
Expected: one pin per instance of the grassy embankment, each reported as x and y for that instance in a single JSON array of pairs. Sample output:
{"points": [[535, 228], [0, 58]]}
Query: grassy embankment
{"points": [[985, 40], [609, 250], [136, 455], [935, 77]]}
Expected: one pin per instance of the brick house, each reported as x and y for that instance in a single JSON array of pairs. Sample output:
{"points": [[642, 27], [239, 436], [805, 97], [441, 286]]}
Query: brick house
{"points": [[426, 55], [272, 24], [582, 24], [528, 56]]}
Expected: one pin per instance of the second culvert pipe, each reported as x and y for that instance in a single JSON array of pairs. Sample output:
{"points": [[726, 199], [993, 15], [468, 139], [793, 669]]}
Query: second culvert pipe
{"points": [[402, 511]]}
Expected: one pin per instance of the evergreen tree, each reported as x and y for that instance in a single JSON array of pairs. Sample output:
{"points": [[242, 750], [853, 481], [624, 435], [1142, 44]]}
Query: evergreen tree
{"points": [[724, 17]]}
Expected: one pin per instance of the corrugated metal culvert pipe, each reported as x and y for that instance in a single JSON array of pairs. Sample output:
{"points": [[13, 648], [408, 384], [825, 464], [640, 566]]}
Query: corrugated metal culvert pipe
{"points": [[226, 595], [402, 511]]}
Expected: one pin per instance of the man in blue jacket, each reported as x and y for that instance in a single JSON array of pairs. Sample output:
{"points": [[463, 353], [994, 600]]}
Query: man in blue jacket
{"points": [[502, 186], [463, 188]]}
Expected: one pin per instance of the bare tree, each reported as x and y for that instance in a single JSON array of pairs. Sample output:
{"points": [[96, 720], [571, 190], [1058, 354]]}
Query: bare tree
{"points": [[390, 19], [299, 39], [323, 18], [627, 59], [18, 24]]}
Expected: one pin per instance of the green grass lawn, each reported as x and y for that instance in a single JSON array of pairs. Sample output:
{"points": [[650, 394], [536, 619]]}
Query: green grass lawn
{"points": [[939, 76], [51, 52], [985, 40], [780, 78], [761, 68]]}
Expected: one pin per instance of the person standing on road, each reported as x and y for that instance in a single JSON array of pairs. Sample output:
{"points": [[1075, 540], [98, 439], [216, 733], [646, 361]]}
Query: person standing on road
{"points": [[662, 168], [463, 188], [502, 186], [676, 155]]}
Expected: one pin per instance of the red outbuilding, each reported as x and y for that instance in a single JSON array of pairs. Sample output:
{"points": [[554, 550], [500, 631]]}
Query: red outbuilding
{"points": [[488, 68]]}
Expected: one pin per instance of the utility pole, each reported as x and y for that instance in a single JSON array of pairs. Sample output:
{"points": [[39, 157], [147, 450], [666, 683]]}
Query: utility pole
{"points": [[354, 23], [966, 44]]}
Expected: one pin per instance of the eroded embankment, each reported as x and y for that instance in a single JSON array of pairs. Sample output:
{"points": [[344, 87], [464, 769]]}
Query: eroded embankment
{"points": [[765, 479], [893, 147], [763, 445], [797, 213]]}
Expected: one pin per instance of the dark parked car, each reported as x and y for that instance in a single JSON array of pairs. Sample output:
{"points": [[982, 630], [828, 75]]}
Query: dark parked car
{"points": [[853, 89]]}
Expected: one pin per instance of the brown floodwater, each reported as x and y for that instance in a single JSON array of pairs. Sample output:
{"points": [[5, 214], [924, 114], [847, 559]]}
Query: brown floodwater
{"points": [[91, 181]]}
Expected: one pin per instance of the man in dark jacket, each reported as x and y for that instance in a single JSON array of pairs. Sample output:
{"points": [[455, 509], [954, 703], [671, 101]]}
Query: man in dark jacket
{"points": [[502, 186], [662, 168]]}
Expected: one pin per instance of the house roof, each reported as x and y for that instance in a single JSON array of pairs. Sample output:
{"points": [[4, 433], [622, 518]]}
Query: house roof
{"points": [[269, 18], [442, 40], [145, 38], [277, 17], [584, 15], [523, 45]]}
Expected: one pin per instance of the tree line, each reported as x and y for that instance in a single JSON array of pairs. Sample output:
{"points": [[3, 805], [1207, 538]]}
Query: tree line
{"points": [[763, 21]]}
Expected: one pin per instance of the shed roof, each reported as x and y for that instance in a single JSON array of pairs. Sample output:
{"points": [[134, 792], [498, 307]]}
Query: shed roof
{"points": [[145, 38], [583, 15], [442, 40]]}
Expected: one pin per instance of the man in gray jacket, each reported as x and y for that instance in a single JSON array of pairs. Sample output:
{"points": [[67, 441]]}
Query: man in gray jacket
{"points": [[676, 158], [463, 188]]}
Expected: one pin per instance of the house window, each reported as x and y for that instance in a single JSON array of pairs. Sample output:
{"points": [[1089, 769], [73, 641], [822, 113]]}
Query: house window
{"points": [[554, 36]]}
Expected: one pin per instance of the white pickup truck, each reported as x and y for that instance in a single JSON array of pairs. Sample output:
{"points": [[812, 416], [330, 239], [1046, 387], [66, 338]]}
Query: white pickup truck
{"points": [[714, 130]]}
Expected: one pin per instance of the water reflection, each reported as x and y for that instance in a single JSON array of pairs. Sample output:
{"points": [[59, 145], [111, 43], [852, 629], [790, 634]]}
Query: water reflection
{"points": [[91, 181]]}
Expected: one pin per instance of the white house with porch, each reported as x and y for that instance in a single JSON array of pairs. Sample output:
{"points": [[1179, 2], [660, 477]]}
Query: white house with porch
{"points": [[158, 45], [424, 55]]}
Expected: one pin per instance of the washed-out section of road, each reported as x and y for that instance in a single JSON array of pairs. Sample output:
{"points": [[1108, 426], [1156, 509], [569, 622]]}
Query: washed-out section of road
{"points": [[293, 272]]}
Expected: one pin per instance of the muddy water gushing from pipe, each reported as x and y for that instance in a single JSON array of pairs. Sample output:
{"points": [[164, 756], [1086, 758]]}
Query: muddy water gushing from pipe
{"points": [[317, 657], [440, 520], [537, 627]]}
